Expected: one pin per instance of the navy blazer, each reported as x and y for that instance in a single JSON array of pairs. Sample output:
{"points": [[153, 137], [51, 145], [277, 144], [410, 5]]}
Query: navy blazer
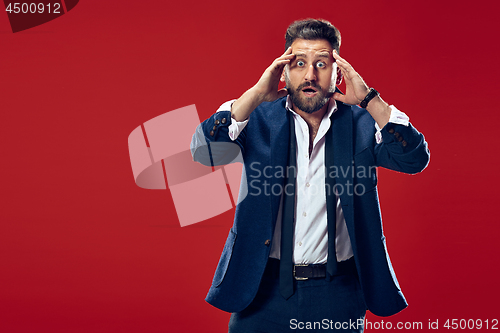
{"points": [[264, 142]]}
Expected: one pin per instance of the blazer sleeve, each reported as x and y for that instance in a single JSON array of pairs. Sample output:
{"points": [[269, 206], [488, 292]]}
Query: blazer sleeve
{"points": [[402, 149], [211, 144]]}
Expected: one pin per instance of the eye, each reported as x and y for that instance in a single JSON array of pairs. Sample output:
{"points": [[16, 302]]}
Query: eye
{"points": [[320, 64], [300, 63]]}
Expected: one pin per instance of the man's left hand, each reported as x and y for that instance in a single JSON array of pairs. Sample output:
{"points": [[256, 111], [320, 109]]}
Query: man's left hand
{"points": [[356, 88]]}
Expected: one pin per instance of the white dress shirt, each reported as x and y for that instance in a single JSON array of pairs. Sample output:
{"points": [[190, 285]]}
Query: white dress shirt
{"points": [[311, 232]]}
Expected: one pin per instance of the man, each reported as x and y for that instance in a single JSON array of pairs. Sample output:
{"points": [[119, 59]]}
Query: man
{"points": [[307, 250]]}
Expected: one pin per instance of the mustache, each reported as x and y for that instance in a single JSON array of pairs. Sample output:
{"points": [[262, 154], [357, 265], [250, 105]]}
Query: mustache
{"points": [[309, 84]]}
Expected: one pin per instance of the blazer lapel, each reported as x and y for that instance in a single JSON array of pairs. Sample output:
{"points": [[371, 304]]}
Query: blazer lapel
{"points": [[339, 164], [279, 137]]}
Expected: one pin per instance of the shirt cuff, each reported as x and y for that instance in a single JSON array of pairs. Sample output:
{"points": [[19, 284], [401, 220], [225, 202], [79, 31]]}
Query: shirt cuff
{"points": [[397, 117], [235, 127]]}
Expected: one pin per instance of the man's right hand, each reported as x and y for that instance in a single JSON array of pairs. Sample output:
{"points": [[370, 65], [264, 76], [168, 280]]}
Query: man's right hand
{"points": [[266, 89], [267, 86]]}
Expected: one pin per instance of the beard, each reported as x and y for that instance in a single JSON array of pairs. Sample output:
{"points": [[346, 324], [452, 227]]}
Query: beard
{"points": [[309, 104]]}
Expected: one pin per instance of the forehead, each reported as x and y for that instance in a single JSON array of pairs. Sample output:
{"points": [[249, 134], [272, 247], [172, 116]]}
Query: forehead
{"points": [[311, 48]]}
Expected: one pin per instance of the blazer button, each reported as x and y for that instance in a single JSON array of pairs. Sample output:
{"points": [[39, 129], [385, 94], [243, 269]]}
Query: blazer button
{"points": [[217, 122], [215, 127], [397, 135], [404, 143], [267, 242], [223, 120], [390, 130], [212, 133], [400, 139]]}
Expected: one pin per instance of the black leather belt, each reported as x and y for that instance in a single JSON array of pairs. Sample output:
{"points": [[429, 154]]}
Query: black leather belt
{"points": [[304, 272], [312, 271]]}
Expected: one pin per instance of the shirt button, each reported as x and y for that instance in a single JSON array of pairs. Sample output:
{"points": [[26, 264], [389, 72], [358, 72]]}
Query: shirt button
{"points": [[304, 214], [307, 184], [300, 243]]}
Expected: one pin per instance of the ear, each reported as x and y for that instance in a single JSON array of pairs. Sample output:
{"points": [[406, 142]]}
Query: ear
{"points": [[282, 78], [339, 76]]}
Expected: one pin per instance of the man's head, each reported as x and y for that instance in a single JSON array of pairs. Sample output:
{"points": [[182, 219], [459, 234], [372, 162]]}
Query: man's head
{"points": [[312, 75]]}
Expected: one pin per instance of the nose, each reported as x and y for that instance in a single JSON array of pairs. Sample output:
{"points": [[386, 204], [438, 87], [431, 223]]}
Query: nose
{"points": [[311, 73]]}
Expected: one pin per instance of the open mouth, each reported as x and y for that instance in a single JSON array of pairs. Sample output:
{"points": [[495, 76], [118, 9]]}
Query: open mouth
{"points": [[309, 91]]}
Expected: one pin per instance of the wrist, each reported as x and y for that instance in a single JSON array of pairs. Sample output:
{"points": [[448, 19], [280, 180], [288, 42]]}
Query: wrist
{"points": [[379, 110], [368, 98], [256, 94], [377, 103], [247, 102]]}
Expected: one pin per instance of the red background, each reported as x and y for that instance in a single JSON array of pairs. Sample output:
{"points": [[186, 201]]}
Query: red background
{"points": [[83, 249]]}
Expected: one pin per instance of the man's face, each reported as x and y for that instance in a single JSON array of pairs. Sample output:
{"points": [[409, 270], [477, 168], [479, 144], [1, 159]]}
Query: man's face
{"points": [[311, 75]]}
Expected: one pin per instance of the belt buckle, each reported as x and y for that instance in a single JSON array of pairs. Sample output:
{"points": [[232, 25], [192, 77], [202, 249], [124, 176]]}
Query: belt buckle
{"points": [[297, 277]]}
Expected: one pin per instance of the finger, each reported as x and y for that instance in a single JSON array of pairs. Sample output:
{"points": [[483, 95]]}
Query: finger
{"points": [[337, 56], [282, 61], [348, 73], [343, 65], [288, 54], [345, 72], [282, 92], [339, 97], [341, 62], [287, 57], [279, 64]]}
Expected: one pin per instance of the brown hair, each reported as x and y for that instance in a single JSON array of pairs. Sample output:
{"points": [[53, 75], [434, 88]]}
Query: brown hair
{"points": [[312, 29]]}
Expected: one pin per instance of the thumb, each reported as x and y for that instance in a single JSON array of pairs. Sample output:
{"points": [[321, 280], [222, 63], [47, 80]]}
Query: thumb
{"points": [[282, 92], [339, 97]]}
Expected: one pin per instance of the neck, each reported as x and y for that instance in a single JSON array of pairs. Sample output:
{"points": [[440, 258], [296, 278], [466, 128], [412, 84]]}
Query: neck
{"points": [[314, 118], [313, 121]]}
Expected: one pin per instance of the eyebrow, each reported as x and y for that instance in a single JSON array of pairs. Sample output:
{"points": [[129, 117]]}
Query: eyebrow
{"points": [[321, 55], [324, 55]]}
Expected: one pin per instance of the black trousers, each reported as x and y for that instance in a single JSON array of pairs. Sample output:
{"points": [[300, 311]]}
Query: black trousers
{"points": [[323, 304]]}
